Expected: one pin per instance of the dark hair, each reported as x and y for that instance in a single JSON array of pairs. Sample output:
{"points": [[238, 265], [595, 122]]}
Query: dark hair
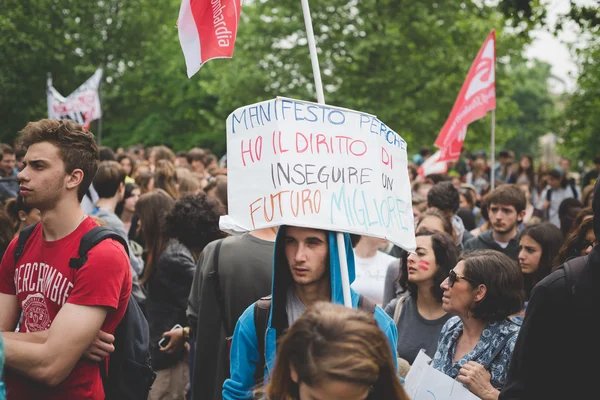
{"points": [[182, 154], [508, 194], [425, 151], [467, 217], [195, 154], [76, 146], [436, 178], [6, 230], [504, 282], [6, 149], [468, 194], [109, 177], [444, 197], [129, 188], [504, 154], [106, 154], [432, 212], [574, 241], [333, 342], [555, 173], [446, 256], [152, 209], [529, 171], [550, 238], [122, 157], [12, 208], [354, 239], [143, 181], [567, 211], [194, 221]]}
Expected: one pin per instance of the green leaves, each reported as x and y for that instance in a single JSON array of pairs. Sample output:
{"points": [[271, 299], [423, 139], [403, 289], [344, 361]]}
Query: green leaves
{"points": [[401, 60]]}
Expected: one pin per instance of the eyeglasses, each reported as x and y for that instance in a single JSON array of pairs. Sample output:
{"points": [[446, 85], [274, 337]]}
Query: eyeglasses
{"points": [[453, 277]]}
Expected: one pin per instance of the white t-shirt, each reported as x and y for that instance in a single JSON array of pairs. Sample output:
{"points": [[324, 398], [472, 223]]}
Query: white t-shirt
{"points": [[370, 275]]}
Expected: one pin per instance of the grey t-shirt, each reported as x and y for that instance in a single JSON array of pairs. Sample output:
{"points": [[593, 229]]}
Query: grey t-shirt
{"points": [[294, 307], [414, 331]]}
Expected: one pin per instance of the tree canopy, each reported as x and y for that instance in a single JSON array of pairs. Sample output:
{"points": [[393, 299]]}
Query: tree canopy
{"points": [[401, 60]]}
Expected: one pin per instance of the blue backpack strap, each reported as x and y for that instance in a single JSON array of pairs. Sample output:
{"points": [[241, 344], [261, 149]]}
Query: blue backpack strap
{"points": [[91, 239], [22, 240]]}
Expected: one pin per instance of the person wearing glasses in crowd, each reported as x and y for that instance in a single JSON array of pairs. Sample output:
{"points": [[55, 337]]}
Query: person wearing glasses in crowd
{"points": [[475, 346]]}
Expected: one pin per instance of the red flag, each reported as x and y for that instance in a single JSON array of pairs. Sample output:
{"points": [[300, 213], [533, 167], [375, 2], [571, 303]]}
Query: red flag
{"points": [[477, 96], [207, 30], [433, 165]]}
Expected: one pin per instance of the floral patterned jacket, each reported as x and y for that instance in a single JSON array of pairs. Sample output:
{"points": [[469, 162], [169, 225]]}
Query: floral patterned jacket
{"points": [[493, 336]]}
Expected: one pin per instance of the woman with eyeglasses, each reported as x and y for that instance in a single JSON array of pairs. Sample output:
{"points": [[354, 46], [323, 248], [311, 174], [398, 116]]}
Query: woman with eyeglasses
{"points": [[475, 346], [419, 315]]}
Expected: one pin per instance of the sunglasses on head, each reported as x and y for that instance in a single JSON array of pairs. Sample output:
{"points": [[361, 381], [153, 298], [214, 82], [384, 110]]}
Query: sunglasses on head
{"points": [[453, 277]]}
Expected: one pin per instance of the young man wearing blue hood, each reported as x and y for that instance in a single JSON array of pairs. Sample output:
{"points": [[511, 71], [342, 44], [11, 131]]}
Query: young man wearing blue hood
{"points": [[306, 269]]}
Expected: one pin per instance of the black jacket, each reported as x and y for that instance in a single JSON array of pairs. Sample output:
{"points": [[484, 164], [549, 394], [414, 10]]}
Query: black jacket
{"points": [[485, 241], [557, 350], [245, 271], [167, 296]]}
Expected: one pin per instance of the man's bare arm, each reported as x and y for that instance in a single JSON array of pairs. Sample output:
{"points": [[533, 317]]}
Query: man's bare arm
{"points": [[71, 333], [9, 312]]}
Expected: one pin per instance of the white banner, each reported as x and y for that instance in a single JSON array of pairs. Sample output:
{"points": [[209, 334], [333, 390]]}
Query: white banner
{"points": [[81, 106], [299, 163]]}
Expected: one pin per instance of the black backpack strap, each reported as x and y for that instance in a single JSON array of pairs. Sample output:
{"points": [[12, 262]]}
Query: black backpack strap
{"points": [[22, 240], [261, 318], [91, 239], [218, 291], [365, 304], [500, 347], [573, 269]]}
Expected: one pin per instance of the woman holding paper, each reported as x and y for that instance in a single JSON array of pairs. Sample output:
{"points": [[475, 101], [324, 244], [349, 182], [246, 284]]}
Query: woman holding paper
{"points": [[419, 315], [476, 345]]}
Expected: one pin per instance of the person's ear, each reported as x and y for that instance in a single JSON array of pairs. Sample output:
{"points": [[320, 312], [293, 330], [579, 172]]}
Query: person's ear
{"points": [[74, 179], [521, 216], [481, 293], [294, 374]]}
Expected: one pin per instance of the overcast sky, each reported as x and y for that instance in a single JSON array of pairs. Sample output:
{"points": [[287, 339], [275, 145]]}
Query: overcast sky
{"points": [[552, 49]]}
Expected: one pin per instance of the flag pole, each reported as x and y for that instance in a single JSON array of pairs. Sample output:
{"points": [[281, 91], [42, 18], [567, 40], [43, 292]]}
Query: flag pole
{"points": [[493, 169], [100, 119], [314, 58]]}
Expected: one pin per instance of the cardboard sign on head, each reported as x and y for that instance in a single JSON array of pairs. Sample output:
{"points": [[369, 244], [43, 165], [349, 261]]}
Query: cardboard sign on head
{"points": [[304, 164]]}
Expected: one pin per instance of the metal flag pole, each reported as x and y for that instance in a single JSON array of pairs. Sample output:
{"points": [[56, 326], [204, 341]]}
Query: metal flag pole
{"points": [[314, 58], [493, 169]]}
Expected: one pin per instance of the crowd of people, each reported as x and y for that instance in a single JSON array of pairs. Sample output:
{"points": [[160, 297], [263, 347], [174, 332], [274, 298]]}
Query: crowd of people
{"points": [[486, 293]]}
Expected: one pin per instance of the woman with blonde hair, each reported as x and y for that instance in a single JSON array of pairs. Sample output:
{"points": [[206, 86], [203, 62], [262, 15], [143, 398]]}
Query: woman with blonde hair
{"points": [[334, 352]]}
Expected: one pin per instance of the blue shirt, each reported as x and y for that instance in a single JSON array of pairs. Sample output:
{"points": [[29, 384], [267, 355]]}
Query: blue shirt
{"points": [[491, 337]]}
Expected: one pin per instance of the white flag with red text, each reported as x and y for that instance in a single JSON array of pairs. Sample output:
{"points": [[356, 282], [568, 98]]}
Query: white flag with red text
{"points": [[81, 106], [477, 96], [207, 30]]}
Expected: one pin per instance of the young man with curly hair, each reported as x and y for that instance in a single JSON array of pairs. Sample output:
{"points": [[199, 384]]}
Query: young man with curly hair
{"points": [[63, 308]]}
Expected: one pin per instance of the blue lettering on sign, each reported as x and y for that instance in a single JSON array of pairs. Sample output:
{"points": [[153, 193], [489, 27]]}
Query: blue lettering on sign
{"points": [[285, 109], [358, 209]]}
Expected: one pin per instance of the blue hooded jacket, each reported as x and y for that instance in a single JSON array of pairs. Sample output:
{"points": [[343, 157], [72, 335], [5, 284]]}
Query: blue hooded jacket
{"points": [[244, 348]]}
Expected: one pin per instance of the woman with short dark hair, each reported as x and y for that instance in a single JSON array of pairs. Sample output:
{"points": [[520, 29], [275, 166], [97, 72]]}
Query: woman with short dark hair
{"points": [[419, 315], [476, 345]]}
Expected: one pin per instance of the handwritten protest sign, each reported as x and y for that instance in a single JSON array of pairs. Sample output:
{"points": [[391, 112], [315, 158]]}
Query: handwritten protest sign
{"points": [[299, 163]]}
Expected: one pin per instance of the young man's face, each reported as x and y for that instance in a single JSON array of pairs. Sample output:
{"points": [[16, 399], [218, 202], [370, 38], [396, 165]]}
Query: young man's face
{"points": [[307, 253], [553, 182], [8, 163], [504, 217], [43, 180]]}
